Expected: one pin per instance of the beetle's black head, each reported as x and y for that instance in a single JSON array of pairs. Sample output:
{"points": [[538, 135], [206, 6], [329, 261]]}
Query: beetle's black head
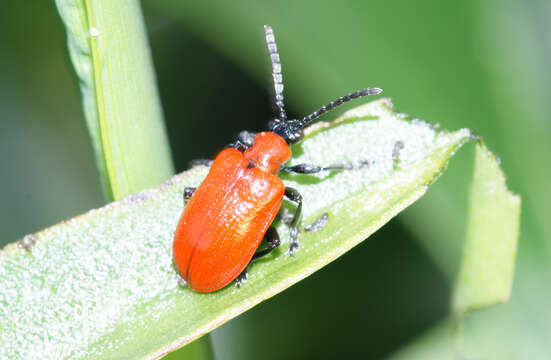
{"points": [[289, 130]]}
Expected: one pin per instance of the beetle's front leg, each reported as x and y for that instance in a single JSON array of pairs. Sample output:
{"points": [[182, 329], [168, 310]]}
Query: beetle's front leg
{"points": [[313, 169], [272, 238], [294, 196]]}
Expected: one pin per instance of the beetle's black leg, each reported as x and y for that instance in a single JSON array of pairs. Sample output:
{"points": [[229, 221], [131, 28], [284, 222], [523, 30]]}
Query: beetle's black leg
{"points": [[271, 237], [188, 191], [318, 224], [312, 169], [294, 196], [241, 278], [200, 162]]}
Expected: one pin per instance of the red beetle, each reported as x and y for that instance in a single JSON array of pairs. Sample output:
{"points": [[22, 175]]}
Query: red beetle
{"points": [[230, 213]]}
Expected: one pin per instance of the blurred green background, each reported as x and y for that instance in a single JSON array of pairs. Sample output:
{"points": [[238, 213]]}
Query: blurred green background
{"points": [[483, 64]]}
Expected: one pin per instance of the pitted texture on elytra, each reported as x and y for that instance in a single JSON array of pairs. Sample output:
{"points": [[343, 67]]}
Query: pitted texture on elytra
{"points": [[103, 284]]}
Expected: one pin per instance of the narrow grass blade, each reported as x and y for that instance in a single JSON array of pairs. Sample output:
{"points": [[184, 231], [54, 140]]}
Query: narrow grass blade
{"points": [[109, 50]]}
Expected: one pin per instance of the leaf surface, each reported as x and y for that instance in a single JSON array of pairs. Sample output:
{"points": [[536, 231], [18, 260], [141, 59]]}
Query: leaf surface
{"points": [[107, 279]]}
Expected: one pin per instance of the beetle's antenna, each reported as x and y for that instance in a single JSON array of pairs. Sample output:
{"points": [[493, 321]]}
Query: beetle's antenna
{"points": [[276, 71], [333, 104]]}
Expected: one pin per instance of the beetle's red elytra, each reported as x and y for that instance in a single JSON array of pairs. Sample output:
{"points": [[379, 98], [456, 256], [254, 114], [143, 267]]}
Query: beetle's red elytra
{"points": [[230, 213]]}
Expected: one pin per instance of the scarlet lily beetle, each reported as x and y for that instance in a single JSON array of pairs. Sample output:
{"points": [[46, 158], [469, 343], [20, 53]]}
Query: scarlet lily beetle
{"points": [[229, 214]]}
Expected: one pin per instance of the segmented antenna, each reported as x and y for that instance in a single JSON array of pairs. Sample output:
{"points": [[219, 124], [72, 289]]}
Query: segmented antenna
{"points": [[276, 71], [333, 104]]}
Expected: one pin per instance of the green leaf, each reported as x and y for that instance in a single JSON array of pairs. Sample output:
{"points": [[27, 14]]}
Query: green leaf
{"points": [[106, 278], [489, 253], [108, 47], [485, 278]]}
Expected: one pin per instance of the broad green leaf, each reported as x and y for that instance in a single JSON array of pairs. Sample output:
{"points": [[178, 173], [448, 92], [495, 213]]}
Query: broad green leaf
{"points": [[109, 50], [106, 278], [489, 252]]}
